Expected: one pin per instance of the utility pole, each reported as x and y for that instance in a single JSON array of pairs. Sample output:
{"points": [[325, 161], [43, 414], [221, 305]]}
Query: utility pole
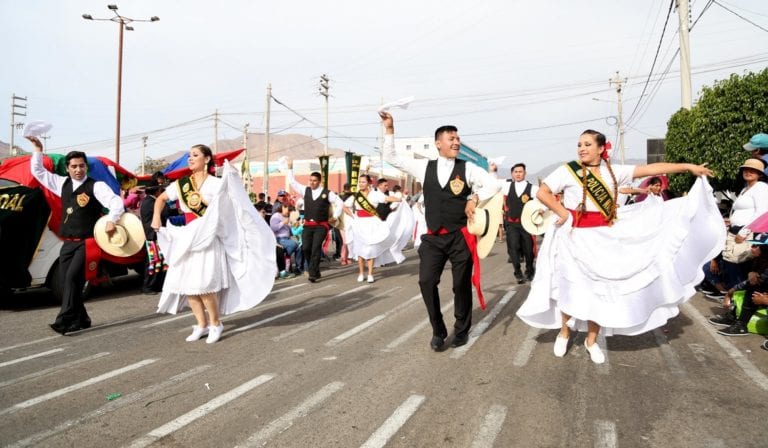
{"points": [[381, 145], [21, 112], [216, 131], [143, 153], [265, 188], [619, 82], [324, 91], [683, 13], [45, 141], [245, 170]]}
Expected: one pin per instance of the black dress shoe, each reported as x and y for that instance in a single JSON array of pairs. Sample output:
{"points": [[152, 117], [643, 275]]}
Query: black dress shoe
{"points": [[85, 324], [58, 328], [437, 343], [73, 328], [312, 279], [458, 341]]}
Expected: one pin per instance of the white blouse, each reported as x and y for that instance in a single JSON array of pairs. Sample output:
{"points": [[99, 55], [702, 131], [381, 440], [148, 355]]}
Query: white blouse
{"points": [[211, 186], [563, 181], [751, 203]]}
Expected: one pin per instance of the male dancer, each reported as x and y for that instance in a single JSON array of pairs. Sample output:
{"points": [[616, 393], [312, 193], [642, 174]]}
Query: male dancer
{"points": [[518, 240], [449, 201]]}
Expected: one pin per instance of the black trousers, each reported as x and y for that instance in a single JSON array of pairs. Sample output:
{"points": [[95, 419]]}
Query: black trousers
{"points": [[748, 307], [434, 252], [154, 282], [312, 239], [519, 242], [72, 280]]}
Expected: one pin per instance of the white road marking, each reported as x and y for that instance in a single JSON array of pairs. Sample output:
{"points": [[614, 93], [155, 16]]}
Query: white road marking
{"points": [[491, 427], [699, 351], [109, 407], [86, 383], [409, 334], [27, 358], [370, 322], [40, 373], [24, 344], [477, 331], [283, 423], [165, 321], [605, 434], [199, 412], [669, 354], [526, 347], [298, 329], [275, 317], [749, 369], [395, 421]]}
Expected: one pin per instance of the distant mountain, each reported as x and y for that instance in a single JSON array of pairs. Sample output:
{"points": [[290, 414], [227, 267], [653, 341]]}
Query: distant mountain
{"points": [[5, 150]]}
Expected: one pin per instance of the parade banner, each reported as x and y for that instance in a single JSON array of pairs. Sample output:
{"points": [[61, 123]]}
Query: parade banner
{"points": [[353, 170], [324, 170], [24, 214]]}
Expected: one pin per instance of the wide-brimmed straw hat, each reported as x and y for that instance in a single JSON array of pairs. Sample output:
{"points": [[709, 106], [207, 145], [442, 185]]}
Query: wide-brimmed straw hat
{"points": [[534, 222], [127, 240], [755, 164], [485, 224]]}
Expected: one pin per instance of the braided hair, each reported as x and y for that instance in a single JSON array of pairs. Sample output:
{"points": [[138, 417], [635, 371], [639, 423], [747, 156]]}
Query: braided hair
{"points": [[601, 142]]}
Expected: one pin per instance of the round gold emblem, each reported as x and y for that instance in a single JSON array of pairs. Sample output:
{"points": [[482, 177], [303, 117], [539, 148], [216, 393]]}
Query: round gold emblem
{"points": [[194, 200], [92, 266]]}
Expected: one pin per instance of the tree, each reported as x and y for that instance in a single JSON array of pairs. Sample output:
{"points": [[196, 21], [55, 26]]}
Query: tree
{"points": [[714, 130], [151, 165]]}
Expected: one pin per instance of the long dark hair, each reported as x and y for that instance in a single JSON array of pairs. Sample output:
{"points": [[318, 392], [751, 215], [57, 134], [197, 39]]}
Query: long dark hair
{"points": [[207, 153]]}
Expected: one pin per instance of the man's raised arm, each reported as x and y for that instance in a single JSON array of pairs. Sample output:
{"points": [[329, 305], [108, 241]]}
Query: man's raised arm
{"points": [[415, 168], [47, 179]]}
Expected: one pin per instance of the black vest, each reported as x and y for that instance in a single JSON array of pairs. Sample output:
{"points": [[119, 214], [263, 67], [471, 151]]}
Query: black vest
{"points": [[514, 202], [383, 208], [443, 207], [316, 210], [79, 216]]}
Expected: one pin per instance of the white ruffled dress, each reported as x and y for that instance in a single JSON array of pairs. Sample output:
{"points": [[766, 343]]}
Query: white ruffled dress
{"points": [[629, 277], [371, 238], [230, 250]]}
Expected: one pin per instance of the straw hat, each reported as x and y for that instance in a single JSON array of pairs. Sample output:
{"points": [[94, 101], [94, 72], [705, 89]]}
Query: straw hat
{"points": [[533, 222], [755, 164], [127, 240], [486, 223]]}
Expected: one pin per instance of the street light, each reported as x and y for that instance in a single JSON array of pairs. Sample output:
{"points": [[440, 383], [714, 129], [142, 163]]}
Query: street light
{"points": [[123, 23]]}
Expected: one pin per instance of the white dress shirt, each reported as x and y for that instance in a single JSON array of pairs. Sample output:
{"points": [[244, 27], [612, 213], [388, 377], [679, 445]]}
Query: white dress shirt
{"points": [[519, 187], [480, 180], [55, 183], [338, 204]]}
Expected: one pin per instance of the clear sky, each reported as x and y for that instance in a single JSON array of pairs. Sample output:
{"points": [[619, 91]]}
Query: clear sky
{"points": [[509, 73]]}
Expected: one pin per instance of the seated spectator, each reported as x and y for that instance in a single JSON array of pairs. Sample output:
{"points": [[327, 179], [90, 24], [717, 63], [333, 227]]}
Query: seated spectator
{"points": [[280, 225], [296, 230], [755, 289]]}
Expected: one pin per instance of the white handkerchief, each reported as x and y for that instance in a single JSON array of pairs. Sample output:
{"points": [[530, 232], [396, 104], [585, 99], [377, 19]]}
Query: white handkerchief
{"points": [[402, 103], [497, 160], [36, 128], [282, 163]]}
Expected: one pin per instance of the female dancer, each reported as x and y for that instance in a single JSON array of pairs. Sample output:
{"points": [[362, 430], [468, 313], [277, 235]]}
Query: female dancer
{"points": [[603, 267], [213, 260], [368, 236]]}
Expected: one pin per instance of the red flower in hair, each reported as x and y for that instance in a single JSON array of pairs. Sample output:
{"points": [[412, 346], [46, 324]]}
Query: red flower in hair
{"points": [[605, 154]]}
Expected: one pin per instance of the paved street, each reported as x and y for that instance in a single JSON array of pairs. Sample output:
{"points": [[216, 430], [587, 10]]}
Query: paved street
{"points": [[346, 364]]}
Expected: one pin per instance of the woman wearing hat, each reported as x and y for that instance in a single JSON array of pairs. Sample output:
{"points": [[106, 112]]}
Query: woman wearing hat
{"points": [[367, 235], [223, 260], [723, 272], [601, 267]]}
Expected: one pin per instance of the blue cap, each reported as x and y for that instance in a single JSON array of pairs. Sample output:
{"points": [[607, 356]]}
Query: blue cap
{"points": [[758, 141], [281, 193]]}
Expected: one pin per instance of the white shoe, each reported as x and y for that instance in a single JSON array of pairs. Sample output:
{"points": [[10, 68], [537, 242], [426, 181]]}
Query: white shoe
{"points": [[595, 353], [214, 333], [370, 279], [561, 346], [360, 278], [197, 333]]}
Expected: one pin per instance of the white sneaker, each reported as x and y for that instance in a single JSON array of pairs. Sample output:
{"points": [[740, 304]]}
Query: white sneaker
{"points": [[360, 278], [214, 333], [595, 353], [561, 346], [197, 333], [370, 279]]}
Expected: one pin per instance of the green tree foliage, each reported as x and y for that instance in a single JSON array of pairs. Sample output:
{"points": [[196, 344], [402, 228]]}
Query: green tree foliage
{"points": [[714, 130]]}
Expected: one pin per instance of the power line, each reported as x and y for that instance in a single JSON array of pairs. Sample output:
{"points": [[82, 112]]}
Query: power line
{"points": [[653, 65], [538, 128], [739, 15]]}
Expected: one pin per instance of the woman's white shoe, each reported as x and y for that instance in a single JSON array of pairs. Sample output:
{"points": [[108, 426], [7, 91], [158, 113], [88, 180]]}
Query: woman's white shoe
{"points": [[214, 333], [370, 279], [360, 278], [197, 333], [561, 346], [595, 353]]}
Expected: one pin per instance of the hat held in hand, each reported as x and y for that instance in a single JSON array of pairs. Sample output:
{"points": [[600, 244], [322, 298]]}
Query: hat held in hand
{"points": [[127, 239], [486, 223]]}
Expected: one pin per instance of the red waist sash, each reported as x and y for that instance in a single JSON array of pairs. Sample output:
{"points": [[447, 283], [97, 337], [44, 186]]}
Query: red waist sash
{"points": [[364, 214], [589, 219]]}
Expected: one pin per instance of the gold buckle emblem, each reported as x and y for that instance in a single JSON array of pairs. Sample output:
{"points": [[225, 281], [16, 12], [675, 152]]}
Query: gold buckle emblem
{"points": [[82, 199], [194, 199]]}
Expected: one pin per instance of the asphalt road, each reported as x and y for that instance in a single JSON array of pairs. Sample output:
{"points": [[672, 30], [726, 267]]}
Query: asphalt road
{"points": [[346, 364]]}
